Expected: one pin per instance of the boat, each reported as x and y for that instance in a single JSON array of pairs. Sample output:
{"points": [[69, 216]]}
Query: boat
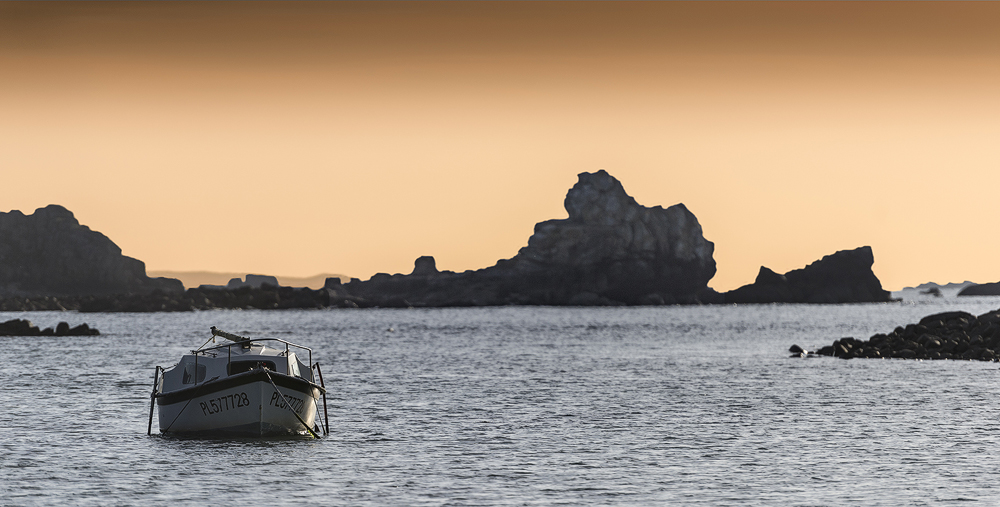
{"points": [[246, 388]]}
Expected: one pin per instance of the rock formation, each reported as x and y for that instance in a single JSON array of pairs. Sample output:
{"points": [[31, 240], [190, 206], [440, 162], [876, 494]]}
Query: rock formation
{"points": [[50, 253], [610, 250], [843, 277], [982, 289], [949, 335], [253, 281], [19, 327]]}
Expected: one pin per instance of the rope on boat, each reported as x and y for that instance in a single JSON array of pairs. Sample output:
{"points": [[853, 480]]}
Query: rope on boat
{"points": [[288, 405]]}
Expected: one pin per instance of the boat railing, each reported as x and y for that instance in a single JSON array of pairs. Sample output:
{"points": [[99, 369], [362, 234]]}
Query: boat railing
{"points": [[245, 343]]}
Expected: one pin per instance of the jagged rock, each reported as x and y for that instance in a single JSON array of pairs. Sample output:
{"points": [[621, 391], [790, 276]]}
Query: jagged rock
{"points": [[843, 277], [612, 246], [610, 250], [48, 253]]}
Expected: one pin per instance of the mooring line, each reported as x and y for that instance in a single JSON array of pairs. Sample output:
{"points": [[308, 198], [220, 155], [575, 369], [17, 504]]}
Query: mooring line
{"points": [[289, 405], [178, 415]]}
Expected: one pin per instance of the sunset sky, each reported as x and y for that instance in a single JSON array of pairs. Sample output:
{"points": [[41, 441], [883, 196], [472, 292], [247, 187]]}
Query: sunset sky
{"points": [[296, 139]]}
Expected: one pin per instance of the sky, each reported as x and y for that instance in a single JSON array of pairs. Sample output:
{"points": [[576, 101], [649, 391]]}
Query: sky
{"points": [[296, 139]]}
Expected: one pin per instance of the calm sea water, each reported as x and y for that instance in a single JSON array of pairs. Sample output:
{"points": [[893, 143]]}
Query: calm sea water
{"points": [[518, 406]]}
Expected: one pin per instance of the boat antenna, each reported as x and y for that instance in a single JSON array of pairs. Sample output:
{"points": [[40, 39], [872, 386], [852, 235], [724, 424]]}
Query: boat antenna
{"points": [[229, 336]]}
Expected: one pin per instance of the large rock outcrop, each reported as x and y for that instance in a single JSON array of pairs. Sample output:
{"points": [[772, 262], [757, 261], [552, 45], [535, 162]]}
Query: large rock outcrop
{"points": [[610, 250], [843, 277], [48, 253]]}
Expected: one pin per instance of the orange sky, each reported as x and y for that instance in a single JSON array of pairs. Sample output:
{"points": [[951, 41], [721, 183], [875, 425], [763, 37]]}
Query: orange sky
{"points": [[295, 139]]}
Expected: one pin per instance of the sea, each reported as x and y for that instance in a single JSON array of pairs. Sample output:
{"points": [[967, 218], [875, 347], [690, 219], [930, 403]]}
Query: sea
{"points": [[671, 405]]}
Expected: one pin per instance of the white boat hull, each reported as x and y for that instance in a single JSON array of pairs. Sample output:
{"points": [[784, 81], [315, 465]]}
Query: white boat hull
{"points": [[241, 405]]}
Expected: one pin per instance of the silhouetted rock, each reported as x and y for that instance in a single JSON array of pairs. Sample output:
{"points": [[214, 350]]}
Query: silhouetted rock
{"points": [[610, 251], [843, 277], [424, 266], [19, 327], [983, 289], [48, 253], [252, 281], [255, 281]]}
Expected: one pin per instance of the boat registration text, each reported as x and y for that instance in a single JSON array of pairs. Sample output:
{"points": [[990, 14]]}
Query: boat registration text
{"points": [[224, 403]]}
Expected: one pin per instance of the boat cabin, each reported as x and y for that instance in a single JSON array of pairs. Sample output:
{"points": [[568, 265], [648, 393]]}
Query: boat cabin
{"points": [[234, 358]]}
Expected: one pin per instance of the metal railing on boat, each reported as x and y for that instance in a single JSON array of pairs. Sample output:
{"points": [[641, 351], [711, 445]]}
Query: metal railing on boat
{"points": [[246, 342]]}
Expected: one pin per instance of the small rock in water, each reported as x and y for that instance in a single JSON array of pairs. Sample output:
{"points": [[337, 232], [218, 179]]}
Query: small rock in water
{"points": [[795, 349], [19, 327]]}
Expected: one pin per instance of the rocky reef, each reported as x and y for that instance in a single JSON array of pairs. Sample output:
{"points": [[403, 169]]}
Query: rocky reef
{"points": [[609, 251], [949, 335], [48, 253], [20, 327], [843, 277]]}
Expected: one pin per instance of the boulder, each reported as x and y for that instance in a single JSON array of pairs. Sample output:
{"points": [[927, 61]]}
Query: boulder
{"points": [[19, 327], [843, 277]]}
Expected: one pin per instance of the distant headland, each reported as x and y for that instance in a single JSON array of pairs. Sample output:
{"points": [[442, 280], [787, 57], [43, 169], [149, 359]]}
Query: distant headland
{"points": [[610, 251]]}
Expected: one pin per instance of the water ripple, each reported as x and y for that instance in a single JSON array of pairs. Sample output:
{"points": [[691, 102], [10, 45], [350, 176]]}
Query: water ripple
{"points": [[519, 406]]}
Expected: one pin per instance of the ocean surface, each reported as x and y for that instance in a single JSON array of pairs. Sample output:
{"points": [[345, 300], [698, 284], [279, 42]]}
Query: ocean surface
{"points": [[518, 406]]}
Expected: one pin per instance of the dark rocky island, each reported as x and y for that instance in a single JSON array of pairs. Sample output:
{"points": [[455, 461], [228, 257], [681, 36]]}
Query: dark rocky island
{"points": [[949, 335], [843, 277], [610, 251], [48, 253]]}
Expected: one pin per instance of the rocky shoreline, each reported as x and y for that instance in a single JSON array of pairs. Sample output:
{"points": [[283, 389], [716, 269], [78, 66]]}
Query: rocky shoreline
{"points": [[948, 335]]}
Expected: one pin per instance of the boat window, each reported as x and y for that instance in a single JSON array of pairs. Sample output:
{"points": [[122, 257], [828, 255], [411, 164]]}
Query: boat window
{"points": [[242, 366], [188, 377], [293, 363]]}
